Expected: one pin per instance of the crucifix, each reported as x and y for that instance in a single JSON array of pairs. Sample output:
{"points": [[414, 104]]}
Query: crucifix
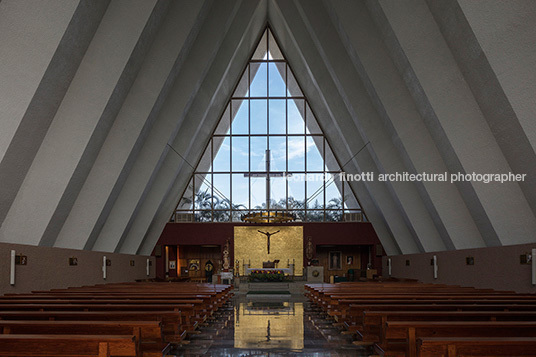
{"points": [[268, 175], [268, 235]]}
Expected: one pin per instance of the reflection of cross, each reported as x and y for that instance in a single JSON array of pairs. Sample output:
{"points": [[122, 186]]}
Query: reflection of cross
{"points": [[267, 174], [268, 235]]}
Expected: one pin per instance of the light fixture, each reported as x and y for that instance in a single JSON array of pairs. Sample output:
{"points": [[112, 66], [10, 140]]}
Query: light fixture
{"points": [[268, 217]]}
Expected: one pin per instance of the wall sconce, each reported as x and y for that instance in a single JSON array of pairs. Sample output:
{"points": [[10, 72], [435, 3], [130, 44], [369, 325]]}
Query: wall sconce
{"points": [[104, 265], [73, 261], [12, 271], [148, 267], [390, 265], [434, 261], [132, 263], [470, 261], [533, 268]]}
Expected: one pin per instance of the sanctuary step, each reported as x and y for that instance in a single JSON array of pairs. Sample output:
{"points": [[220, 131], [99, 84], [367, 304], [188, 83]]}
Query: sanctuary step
{"points": [[268, 287]]}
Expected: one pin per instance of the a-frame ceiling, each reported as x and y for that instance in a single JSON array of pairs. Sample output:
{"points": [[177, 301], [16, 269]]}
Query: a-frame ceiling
{"points": [[103, 100]]}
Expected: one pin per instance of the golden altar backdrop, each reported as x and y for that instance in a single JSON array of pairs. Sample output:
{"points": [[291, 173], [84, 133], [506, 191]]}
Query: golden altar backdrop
{"points": [[251, 246]]}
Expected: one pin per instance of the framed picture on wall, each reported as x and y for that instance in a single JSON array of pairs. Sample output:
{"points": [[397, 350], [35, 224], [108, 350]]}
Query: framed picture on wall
{"points": [[349, 260], [193, 264], [335, 261]]}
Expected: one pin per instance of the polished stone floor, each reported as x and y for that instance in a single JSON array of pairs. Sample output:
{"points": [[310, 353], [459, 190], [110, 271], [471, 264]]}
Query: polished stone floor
{"points": [[270, 327]]}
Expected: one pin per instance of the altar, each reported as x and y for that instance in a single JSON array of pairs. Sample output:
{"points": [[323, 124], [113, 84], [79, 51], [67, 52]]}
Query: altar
{"points": [[286, 271]]}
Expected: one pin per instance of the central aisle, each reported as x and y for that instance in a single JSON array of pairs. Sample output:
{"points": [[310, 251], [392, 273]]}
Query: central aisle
{"points": [[269, 326]]}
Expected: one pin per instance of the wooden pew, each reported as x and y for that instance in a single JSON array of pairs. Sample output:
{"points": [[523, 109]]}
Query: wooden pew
{"points": [[171, 320], [375, 322], [369, 308], [410, 331], [476, 346], [148, 333], [67, 345], [354, 316]]}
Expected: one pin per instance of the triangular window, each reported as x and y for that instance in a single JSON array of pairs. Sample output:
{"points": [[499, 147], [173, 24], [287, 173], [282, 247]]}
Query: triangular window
{"points": [[267, 153]]}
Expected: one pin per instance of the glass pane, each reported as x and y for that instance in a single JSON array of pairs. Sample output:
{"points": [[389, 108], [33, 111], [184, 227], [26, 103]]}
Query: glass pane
{"points": [[259, 76], [260, 51], [278, 193], [203, 192], [333, 195], [314, 153], [222, 191], [258, 192], [203, 216], [300, 215], [240, 153], [296, 109], [237, 215], [276, 75], [258, 151], [259, 111], [224, 125], [296, 191], [312, 124], [315, 216], [333, 216], [240, 114], [221, 216], [278, 153], [296, 153], [275, 52], [277, 116], [315, 192], [293, 89], [240, 191], [222, 153]]}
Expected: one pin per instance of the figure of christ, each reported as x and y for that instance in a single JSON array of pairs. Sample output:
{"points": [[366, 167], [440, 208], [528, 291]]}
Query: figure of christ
{"points": [[268, 235]]}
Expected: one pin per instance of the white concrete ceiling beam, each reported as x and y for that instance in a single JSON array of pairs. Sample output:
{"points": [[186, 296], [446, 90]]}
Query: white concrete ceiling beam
{"points": [[403, 123], [187, 86], [495, 51], [200, 121], [455, 120], [322, 85], [81, 123], [131, 125], [43, 44]]}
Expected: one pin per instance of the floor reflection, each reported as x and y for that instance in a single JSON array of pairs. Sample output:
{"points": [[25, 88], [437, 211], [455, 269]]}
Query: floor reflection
{"points": [[269, 325]]}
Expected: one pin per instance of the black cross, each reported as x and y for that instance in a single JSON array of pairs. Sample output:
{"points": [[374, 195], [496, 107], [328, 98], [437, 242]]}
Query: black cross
{"points": [[268, 235]]}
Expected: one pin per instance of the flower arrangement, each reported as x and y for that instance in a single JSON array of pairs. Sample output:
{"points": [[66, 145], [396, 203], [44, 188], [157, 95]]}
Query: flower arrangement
{"points": [[266, 275]]}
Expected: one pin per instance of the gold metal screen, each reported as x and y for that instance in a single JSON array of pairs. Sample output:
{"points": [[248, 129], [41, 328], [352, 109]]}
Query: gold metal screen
{"points": [[250, 246]]}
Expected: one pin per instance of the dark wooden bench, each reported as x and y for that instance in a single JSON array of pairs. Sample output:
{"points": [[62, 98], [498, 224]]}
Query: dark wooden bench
{"points": [[410, 331], [354, 315], [67, 345], [172, 328], [375, 322], [476, 346]]}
